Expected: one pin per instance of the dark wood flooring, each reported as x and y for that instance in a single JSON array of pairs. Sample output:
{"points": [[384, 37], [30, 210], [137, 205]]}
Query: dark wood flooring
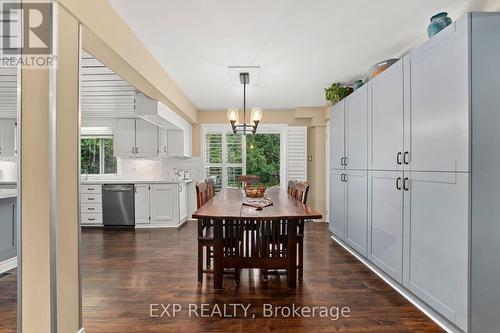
{"points": [[126, 271]]}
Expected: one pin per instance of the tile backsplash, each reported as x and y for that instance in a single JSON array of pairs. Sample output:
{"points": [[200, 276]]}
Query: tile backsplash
{"points": [[8, 170]]}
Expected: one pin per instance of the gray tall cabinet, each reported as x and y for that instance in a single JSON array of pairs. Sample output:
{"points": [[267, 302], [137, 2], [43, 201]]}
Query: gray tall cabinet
{"points": [[425, 206]]}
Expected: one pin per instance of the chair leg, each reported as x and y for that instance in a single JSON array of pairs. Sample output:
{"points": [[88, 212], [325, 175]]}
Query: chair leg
{"points": [[301, 261], [208, 257], [200, 263]]}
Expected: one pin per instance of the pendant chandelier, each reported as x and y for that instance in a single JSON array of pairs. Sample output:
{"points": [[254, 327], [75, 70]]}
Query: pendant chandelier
{"points": [[233, 113]]}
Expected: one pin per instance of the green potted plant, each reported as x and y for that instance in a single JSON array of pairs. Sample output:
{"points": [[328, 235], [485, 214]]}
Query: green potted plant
{"points": [[336, 92]]}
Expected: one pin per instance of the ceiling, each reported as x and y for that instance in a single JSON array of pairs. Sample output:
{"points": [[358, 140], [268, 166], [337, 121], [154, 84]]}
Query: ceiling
{"points": [[301, 46]]}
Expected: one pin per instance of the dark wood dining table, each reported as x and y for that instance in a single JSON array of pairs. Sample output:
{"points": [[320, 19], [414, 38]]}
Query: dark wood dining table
{"points": [[245, 237]]}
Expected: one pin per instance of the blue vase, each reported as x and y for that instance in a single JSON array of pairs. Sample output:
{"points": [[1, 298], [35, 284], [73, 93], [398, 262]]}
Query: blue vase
{"points": [[358, 84], [438, 23]]}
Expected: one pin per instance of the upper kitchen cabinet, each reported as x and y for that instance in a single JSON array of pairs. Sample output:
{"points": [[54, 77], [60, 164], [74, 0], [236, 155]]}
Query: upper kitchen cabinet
{"points": [[134, 138], [356, 130], [175, 136], [8, 137], [386, 118], [439, 101], [337, 136]]}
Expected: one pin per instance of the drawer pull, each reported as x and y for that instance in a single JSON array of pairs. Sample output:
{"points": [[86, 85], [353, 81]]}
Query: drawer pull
{"points": [[90, 199], [91, 208], [91, 218]]}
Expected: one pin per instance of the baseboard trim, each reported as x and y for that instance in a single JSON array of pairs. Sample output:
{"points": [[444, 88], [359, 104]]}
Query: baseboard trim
{"points": [[81, 330], [428, 311], [8, 264]]}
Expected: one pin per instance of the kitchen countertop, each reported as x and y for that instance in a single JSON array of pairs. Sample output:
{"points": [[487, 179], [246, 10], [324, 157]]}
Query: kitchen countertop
{"points": [[133, 181], [8, 193]]}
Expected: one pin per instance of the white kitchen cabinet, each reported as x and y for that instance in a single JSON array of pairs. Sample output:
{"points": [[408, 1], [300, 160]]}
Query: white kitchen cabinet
{"points": [[179, 143], [439, 104], [356, 209], [163, 142], [183, 206], [385, 222], [337, 135], [337, 203], [124, 138], [164, 204], [387, 119], [356, 129], [141, 203], [146, 139], [8, 137], [437, 212], [91, 205]]}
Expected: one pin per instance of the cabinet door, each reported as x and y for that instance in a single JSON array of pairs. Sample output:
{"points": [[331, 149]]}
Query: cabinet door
{"points": [[163, 142], [385, 222], [357, 206], [7, 229], [439, 108], [8, 137], [164, 204], [183, 201], [438, 218], [356, 127], [337, 204], [124, 137], [141, 203], [146, 139], [386, 119], [176, 143], [337, 138]]}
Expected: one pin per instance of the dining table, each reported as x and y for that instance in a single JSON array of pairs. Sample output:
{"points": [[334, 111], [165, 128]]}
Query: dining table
{"points": [[247, 237]]}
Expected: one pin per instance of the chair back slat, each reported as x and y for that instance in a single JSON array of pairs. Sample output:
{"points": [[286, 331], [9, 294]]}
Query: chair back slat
{"points": [[301, 191]]}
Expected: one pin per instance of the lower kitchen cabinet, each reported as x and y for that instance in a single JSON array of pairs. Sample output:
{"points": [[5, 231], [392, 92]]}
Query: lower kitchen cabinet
{"points": [[356, 209], [141, 199], [385, 222], [164, 203], [436, 262], [337, 203], [8, 232]]}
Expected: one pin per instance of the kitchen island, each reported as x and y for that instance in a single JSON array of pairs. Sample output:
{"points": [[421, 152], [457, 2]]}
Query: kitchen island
{"points": [[8, 229]]}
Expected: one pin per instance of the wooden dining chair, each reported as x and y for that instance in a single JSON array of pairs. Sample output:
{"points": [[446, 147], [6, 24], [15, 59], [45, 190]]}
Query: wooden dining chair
{"points": [[291, 186], [205, 231], [210, 181], [300, 192]]}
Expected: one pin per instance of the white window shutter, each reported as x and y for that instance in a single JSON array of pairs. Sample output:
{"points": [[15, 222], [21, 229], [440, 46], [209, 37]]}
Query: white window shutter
{"points": [[296, 147], [8, 92]]}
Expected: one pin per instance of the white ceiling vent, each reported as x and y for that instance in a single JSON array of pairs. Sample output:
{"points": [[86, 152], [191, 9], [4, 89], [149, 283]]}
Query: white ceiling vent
{"points": [[253, 71]]}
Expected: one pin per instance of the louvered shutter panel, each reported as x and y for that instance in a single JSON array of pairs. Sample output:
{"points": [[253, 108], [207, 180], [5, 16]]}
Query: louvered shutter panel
{"points": [[8, 75], [296, 153], [234, 159], [213, 158], [103, 92]]}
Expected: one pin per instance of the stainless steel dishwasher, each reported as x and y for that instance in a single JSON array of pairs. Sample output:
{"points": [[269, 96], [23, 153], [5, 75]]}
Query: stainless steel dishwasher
{"points": [[118, 205]]}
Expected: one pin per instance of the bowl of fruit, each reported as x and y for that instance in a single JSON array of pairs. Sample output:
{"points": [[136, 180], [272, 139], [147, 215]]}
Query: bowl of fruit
{"points": [[255, 191]]}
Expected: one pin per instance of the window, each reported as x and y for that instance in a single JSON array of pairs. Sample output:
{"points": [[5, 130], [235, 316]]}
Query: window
{"points": [[227, 156], [97, 156]]}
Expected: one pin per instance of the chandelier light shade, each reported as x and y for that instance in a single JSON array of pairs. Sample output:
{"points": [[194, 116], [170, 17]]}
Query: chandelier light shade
{"points": [[255, 115]]}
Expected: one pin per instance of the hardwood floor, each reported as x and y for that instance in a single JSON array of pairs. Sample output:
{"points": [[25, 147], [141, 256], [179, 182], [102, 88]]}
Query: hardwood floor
{"points": [[126, 271]]}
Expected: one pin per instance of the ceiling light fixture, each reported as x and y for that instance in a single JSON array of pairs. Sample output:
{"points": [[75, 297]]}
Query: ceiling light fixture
{"points": [[233, 113]]}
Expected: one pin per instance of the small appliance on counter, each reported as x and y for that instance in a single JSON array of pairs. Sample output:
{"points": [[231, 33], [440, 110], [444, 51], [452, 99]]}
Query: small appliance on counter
{"points": [[118, 208]]}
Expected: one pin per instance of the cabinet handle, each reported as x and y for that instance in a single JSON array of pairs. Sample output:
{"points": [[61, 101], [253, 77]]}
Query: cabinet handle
{"points": [[91, 218], [406, 157], [345, 177], [398, 183], [406, 184], [91, 208], [345, 162], [341, 161], [342, 177], [180, 188], [137, 150], [133, 150], [90, 189], [90, 199], [164, 149], [398, 158]]}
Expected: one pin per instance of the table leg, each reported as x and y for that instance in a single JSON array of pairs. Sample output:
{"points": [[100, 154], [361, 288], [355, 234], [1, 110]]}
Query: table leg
{"points": [[292, 254], [218, 255]]}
